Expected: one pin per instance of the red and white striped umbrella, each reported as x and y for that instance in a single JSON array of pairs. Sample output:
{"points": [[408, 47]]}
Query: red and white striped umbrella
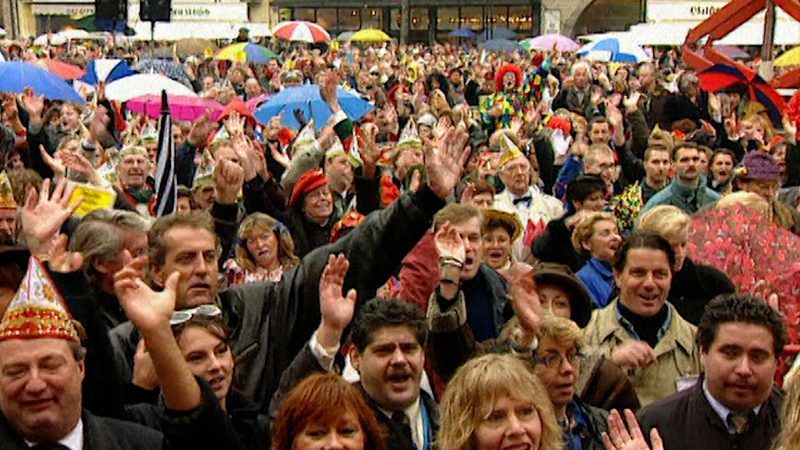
{"points": [[298, 30]]}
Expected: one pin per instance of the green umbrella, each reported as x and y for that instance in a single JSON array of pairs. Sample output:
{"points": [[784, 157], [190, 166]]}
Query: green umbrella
{"points": [[87, 23]]}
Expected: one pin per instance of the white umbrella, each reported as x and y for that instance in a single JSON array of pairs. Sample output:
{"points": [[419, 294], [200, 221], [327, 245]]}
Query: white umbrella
{"points": [[145, 83], [613, 49]]}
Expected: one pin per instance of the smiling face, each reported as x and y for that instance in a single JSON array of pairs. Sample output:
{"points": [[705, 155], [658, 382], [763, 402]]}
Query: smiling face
{"points": [[740, 365], [511, 424], [208, 357], [644, 281], [496, 247], [318, 204], [40, 387], [391, 367], [133, 170]]}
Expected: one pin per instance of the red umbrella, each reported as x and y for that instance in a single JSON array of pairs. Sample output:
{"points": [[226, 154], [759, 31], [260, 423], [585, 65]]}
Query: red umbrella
{"points": [[60, 69], [759, 257], [722, 76]]}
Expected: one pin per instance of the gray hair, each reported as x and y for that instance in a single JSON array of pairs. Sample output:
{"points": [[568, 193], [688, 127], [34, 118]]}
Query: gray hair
{"points": [[95, 239], [581, 65], [126, 220]]}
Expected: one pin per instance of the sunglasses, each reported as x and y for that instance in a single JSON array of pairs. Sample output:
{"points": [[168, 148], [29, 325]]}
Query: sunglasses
{"points": [[179, 317]]}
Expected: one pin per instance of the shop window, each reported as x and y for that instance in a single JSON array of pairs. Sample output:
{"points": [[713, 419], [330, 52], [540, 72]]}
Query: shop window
{"points": [[349, 19], [447, 19], [372, 18], [305, 14], [497, 16], [471, 17], [420, 19], [520, 18]]}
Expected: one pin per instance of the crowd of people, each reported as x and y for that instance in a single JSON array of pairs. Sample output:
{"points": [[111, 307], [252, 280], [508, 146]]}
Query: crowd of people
{"points": [[495, 256]]}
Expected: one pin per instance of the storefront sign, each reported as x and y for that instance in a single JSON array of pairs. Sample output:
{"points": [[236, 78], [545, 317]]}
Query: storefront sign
{"points": [[181, 12], [694, 11]]}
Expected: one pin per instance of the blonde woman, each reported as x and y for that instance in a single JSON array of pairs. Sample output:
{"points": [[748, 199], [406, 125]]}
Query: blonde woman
{"points": [[495, 401], [264, 252], [596, 236], [789, 435]]}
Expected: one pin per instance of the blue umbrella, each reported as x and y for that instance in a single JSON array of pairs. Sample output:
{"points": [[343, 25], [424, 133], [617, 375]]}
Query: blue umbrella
{"points": [[169, 69], [462, 33], [15, 76], [308, 99], [107, 70], [498, 33], [613, 50], [499, 45]]}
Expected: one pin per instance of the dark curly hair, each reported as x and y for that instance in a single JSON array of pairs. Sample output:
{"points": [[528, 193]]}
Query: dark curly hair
{"points": [[377, 314], [728, 308], [642, 239]]}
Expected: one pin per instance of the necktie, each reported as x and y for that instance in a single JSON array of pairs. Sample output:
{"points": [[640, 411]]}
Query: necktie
{"points": [[55, 446], [738, 421], [400, 430], [524, 199]]}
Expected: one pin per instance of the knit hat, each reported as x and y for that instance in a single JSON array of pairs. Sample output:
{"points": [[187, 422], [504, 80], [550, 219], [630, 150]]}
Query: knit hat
{"points": [[38, 310], [307, 182], [6, 193], [758, 165]]}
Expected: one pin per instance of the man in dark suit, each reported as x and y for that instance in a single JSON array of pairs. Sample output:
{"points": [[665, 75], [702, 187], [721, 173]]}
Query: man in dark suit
{"points": [[41, 372], [734, 405]]}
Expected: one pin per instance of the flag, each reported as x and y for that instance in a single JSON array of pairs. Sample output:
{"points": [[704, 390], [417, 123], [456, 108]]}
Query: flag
{"points": [[166, 183]]}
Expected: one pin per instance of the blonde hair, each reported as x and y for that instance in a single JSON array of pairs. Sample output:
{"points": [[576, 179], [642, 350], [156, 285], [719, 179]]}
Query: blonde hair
{"points": [[748, 199], [585, 228], [789, 435], [561, 330], [664, 220], [594, 151], [266, 223], [477, 386]]}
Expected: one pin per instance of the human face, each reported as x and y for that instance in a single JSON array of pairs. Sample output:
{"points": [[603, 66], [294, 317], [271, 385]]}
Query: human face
{"points": [[740, 365], [765, 188], [596, 201], [656, 167], [208, 357], [204, 196], [687, 162], [558, 369], [722, 167], [318, 204], [581, 78], [339, 173], [263, 247], [702, 163], [208, 83], [70, 118], [15, 162], [192, 253], [391, 367], [516, 175], [251, 88], [646, 78], [407, 159], [40, 387], [602, 164], [678, 241], [133, 170], [644, 281], [345, 434], [604, 241], [184, 205], [599, 133], [8, 226], [511, 423], [780, 157], [497, 247], [555, 299], [470, 232]]}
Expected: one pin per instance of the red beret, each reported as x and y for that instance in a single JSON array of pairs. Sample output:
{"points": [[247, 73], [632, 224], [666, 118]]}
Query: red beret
{"points": [[307, 182]]}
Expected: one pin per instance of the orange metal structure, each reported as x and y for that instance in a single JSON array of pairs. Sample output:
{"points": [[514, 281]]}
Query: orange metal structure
{"points": [[721, 23]]}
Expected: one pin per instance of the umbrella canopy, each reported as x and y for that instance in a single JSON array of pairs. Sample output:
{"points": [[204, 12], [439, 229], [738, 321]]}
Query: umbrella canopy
{"points": [[547, 41], [15, 76], [89, 23], [169, 69], [255, 102], [345, 36], [370, 35], [722, 76], [247, 52], [462, 33], [61, 37], [307, 99], [499, 45], [194, 46], [107, 70], [181, 107], [145, 83], [789, 58], [730, 51], [61, 69], [498, 33], [613, 50], [300, 30]]}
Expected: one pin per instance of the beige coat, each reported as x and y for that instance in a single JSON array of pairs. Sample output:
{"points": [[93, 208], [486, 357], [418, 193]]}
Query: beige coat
{"points": [[676, 353]]}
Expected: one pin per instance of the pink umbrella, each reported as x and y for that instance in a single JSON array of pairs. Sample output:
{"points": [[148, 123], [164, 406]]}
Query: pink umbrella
{"points": [[253, 103], [180, 106], [547, 41]]}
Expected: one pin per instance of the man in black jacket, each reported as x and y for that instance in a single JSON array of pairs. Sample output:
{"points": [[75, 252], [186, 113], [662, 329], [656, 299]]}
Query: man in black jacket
{"points": [[734, 405]]}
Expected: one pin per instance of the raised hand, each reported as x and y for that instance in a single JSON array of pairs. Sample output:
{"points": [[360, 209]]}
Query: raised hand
{"points": [[523, 296], [228, 180], [55, 164], [449, 244], [468, 195], [146, 309], [32, 103], [43, 215], [328, 90], [446, 160], [63, 261], [631, 102], [235, 124], [619, 438], [201, 128], [144, 374], [336, 308]]}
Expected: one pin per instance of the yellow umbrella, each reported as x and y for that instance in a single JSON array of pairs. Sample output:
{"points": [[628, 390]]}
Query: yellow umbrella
{"points": [[370, 35], [789, 58]]}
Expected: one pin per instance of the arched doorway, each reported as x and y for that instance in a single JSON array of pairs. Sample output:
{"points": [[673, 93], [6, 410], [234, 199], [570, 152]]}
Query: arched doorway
{"points": [[608, 15]]}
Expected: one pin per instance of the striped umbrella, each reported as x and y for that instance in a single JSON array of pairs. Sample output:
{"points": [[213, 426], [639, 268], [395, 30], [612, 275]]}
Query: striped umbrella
{"points": [[298, 30], [613, 50]]}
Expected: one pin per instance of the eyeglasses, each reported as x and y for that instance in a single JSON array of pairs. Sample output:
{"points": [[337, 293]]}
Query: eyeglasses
{"points": [[555, 360], [179, 317]]}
